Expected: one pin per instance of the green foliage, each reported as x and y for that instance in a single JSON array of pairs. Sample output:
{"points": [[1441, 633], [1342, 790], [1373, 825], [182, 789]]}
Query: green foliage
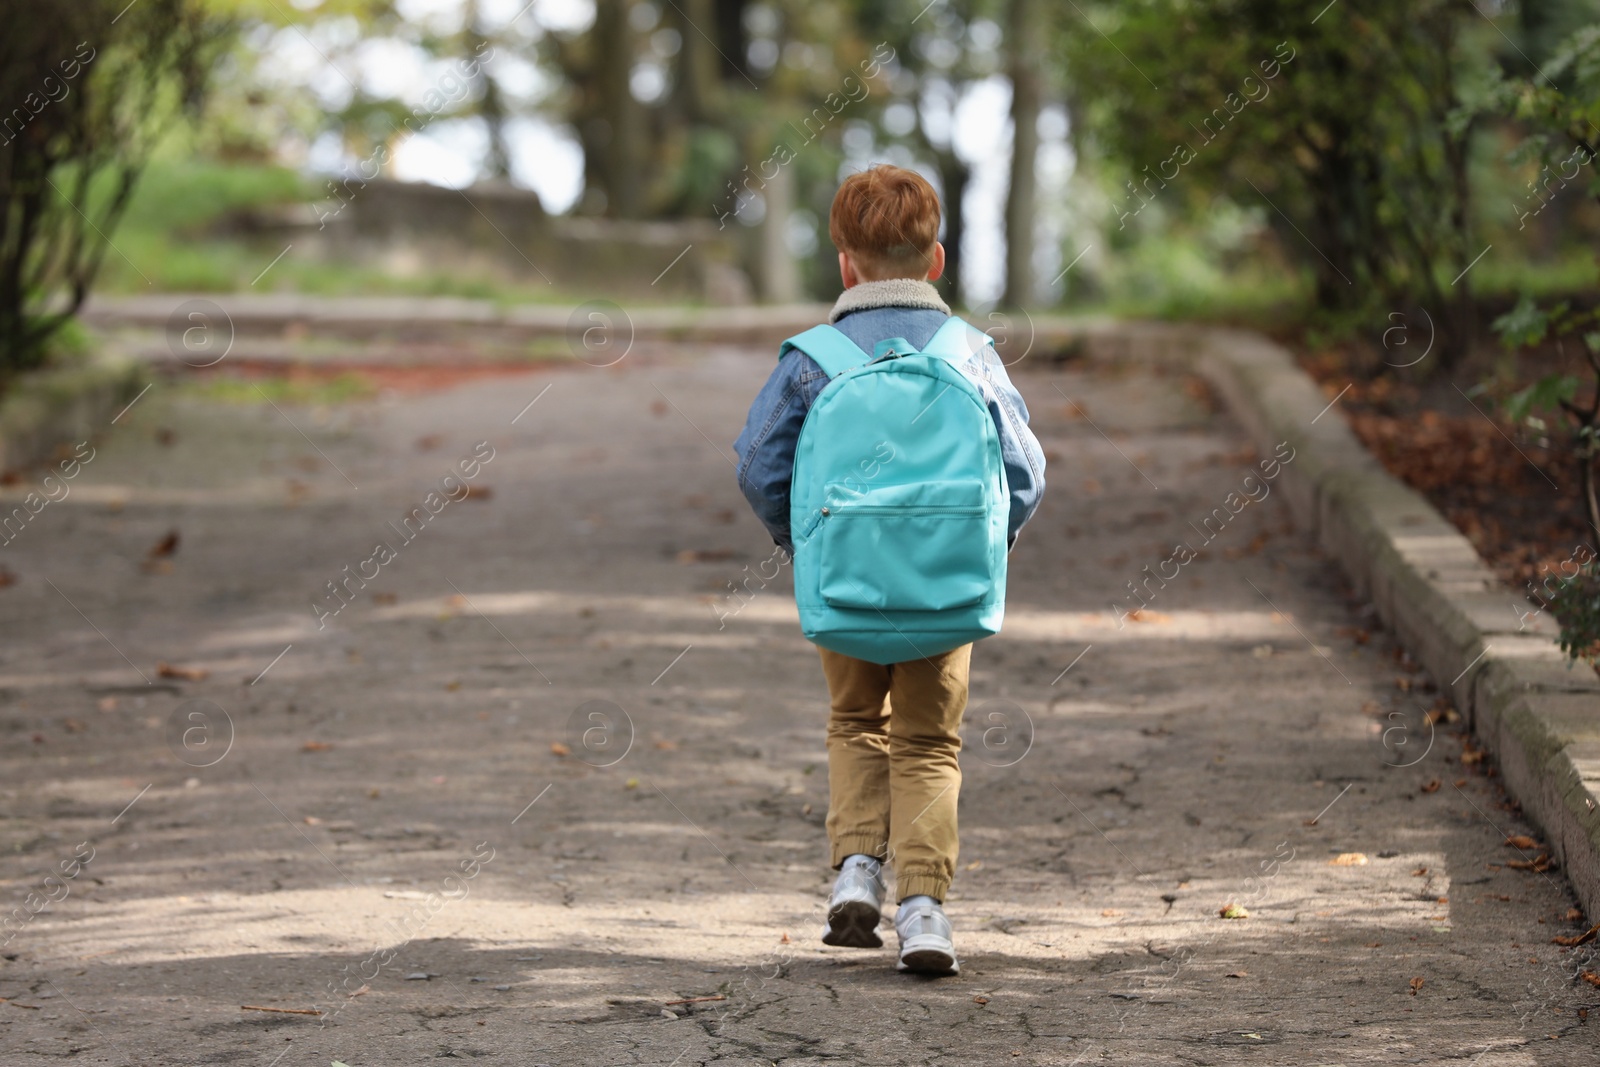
{"points": [[1336, 128], [91, 87], [1546, 394], [1527, 323], [1577, 603]]}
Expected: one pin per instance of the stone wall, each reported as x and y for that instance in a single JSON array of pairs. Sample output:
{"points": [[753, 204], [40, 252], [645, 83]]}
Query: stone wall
{"points": [[407, 227]]}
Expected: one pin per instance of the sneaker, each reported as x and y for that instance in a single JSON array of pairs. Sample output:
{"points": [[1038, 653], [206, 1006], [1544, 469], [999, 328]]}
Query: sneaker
{"points": [[925, 945], [856, 907]]}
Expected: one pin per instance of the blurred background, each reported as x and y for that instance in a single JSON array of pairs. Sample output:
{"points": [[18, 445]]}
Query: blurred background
{"points": [[1403, 190], [1224, 159]]}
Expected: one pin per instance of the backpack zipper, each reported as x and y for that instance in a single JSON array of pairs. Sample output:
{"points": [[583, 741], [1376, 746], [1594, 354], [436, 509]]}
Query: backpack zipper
{"points": [[902, 509]]}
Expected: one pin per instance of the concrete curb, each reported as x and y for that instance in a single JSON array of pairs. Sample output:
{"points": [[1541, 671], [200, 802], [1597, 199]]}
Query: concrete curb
{"points": [[1540, 718], [439, 318], [48, 409]]}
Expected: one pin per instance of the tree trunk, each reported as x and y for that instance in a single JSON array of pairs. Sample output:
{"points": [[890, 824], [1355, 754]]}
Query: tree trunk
{"points": [[954, 176], [698, 61], [622, 155], [733, 42], [779, 276], [1025, 33], [491, 104]]}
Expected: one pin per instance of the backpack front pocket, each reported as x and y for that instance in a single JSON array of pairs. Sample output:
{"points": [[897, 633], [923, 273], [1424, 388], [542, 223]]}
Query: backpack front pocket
{"points": [[920, 547]]}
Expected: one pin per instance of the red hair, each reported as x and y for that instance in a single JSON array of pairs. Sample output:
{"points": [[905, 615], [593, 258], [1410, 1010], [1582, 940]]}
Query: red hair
{"points": [[886, 218]]}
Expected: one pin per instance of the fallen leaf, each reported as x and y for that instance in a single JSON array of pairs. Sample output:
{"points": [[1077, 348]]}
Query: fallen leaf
{"points": [[1590, 977], [1583, 938], [980, 1001], [1432, 786], [311, 820], [363, 991], [478, 492], [106, 703], [667, 746], [558, 749], [705, 555], [315, 746], [6, 577], [73, 726], [429, 442], [187, 674], [1237, 974], [1574, 914], [1416, 986], [1522, 841], [384, 598], [1460, 782], [1233, 911], [974, 865], [1349, 859], [1109, 913], [1141, 615], [784, 940], [164, 547]]}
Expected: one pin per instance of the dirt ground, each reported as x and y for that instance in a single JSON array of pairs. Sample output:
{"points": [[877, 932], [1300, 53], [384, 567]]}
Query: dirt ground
{"points": [[545, 791]]}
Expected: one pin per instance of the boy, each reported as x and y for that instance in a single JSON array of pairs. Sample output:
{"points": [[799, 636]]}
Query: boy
{"points": [[893, 774]]}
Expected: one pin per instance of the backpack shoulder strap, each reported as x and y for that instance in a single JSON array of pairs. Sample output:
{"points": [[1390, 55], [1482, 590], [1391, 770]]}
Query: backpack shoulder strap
{"points": [[829, 347], [956, 341]]}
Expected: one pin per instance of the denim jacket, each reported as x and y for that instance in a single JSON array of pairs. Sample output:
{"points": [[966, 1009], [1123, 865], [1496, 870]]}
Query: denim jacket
{"points": [[766, 446]]}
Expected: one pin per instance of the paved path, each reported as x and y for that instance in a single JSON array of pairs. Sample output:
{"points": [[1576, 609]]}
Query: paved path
{"points": [[376, 819]]}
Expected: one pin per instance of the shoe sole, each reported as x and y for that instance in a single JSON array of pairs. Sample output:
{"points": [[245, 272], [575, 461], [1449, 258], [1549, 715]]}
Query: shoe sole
{"points": [[853, 924], [928, 955]]}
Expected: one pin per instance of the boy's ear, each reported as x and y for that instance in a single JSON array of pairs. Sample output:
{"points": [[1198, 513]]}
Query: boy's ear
{"points": [[847, 271], [936, 268]]}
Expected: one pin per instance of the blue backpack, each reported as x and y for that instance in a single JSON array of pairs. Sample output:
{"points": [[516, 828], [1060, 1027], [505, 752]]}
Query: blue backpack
{"points": [[899, 506]]}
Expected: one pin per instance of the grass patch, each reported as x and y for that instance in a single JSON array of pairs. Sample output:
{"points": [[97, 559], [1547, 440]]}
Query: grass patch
{"points": [[300, 390]]}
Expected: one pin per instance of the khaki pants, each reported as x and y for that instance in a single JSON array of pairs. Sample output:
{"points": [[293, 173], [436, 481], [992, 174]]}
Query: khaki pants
{"points": [[893, 774]]}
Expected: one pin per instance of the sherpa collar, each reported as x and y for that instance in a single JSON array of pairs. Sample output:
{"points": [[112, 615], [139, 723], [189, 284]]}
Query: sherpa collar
{"points": [[890, 292]]}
